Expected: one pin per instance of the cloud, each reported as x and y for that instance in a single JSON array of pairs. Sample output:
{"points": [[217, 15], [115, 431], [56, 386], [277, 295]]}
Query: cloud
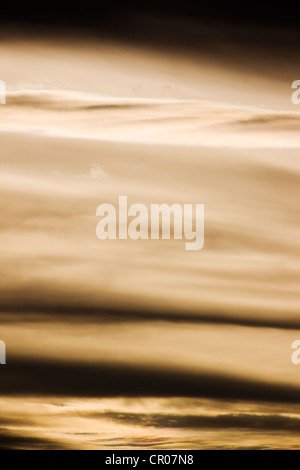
{"points": [[115, 379], [14, 441], [224, 421], [52, 312]]}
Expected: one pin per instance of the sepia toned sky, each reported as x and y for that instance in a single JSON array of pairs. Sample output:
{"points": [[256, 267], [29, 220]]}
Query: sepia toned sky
{"points": [[123, 344]]}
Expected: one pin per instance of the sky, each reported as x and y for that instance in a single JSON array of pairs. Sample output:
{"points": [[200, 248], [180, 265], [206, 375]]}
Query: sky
{"points": [[129, 344]]}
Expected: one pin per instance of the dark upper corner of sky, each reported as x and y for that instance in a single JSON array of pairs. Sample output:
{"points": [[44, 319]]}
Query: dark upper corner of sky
{"points": [[114, 13], [186, 22]]}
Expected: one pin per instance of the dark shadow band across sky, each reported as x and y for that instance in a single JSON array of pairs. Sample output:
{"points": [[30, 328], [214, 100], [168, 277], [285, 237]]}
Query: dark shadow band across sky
{"points": [[21, 377], [106, 315]]}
